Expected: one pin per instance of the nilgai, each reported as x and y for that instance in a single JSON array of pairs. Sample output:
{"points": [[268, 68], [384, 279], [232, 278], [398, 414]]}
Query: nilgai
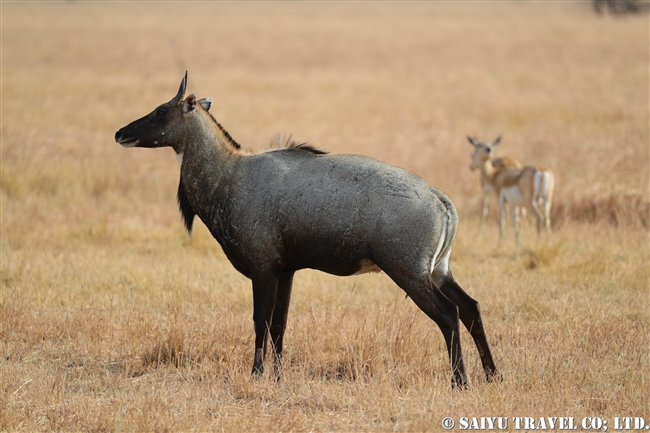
{"points": [[280, 211], [529, 187]]}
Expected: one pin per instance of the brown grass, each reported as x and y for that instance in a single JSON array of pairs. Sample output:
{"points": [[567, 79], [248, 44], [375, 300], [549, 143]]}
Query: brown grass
{"points": [[113, 319]]}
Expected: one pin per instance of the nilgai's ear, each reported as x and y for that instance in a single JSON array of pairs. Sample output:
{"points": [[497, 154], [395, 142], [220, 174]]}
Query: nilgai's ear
{"points": [[181, 92], [472, 141], [495, 142], [189, 104], [206, 103]]}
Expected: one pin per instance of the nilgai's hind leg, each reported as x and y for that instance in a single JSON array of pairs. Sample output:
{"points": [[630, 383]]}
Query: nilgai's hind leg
{"points": [[442, 311], [470, 315], [279, 320]]}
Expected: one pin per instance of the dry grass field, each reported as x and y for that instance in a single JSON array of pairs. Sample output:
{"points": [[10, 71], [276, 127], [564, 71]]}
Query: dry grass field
{"points": [[113, 319]]}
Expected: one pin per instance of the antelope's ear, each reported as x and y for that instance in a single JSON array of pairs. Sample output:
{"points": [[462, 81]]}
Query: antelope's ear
{"points": [[206, 103], [497, 141], [189, 104], [472, 141]]}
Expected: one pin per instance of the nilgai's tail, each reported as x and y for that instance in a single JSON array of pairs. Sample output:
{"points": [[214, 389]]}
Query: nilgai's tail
{"points": [[447, 236]]}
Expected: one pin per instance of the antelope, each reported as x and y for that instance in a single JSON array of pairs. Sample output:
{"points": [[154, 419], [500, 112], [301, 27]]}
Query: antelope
{"points": [[529, 187], [487, 182], [279, 211]]}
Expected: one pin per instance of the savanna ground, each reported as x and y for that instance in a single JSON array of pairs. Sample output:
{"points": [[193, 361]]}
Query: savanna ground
{"points": [[112, 318]]}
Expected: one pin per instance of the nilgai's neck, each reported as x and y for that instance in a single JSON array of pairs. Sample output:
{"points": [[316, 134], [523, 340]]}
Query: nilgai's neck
{"points": [[208, 164]]}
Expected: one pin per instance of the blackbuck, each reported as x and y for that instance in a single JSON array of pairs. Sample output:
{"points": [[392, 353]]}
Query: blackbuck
{"points": [[487, 182], [529, 187], [283, 210]]}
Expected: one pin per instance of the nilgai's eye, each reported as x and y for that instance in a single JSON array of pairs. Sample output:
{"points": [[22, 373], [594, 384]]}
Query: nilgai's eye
{"points": [[161, 112]]}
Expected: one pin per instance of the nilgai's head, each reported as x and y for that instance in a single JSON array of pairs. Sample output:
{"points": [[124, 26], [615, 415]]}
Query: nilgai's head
{"points": [[482, 151], [167, 125]]}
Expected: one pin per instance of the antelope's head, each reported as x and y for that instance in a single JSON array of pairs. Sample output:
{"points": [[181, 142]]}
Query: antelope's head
{"points": [[482, 152], [167, 125]]}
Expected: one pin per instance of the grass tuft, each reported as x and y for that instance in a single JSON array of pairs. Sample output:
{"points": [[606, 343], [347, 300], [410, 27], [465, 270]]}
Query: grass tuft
{"points": [[543, 254], [615, 208]]}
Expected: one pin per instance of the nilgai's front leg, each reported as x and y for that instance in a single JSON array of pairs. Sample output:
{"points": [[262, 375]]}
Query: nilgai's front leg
{"points": [[279, 321], [470, 315], [265, 290]]}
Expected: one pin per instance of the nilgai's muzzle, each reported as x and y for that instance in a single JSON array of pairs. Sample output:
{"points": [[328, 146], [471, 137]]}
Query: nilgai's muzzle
{"points": [[125, 141]]}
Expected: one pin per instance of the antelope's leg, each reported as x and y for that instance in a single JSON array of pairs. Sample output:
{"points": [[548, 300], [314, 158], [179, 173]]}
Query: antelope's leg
{"points": [[470, 315], [547, 205], [502, 215], [265, 290], [515, 222], [442, 311], [486, 207], [279, 322]]}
